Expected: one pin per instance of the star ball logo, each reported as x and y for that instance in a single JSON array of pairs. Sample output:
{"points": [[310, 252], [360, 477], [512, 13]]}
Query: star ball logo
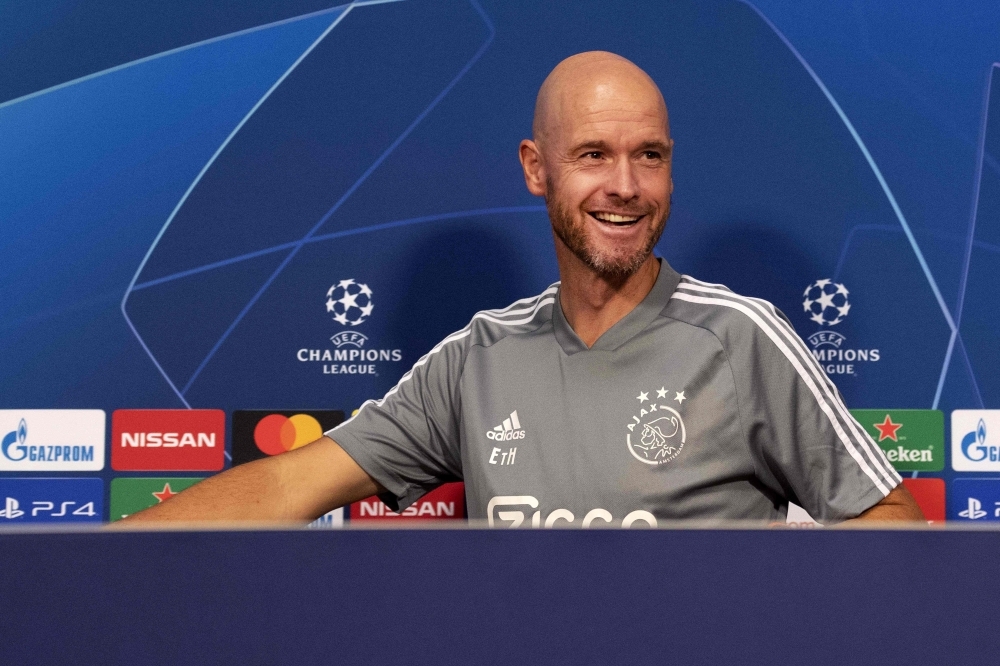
{"points": [[349, 303], [261, 433], [656, 434], [826, 303]]}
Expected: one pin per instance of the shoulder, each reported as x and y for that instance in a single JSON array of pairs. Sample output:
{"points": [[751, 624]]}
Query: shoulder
{"points": [[487, 327], [733, 318]]}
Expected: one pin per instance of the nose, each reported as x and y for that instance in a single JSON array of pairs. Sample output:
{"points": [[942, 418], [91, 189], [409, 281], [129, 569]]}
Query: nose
{"points": [[622, 181]]}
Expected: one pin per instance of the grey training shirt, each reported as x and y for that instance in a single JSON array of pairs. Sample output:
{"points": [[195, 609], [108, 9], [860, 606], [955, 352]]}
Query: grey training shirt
{"points": [[698, 404]]}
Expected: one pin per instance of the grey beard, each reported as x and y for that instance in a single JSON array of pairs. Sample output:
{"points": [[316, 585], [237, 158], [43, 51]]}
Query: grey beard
{"points": [[613, 268]]}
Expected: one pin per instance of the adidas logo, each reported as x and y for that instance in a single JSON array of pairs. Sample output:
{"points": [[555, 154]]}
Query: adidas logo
{"points": [[508, 430]]}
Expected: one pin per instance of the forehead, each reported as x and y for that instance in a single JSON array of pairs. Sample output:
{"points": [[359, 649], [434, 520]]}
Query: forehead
{"points": [[612, 111]]}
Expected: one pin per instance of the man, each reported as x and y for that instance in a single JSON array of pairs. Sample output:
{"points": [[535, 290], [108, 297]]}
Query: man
{"points": [[625, 395]]}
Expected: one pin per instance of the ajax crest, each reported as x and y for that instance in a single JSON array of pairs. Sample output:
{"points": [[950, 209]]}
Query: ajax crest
{"points": [[656, 434]]}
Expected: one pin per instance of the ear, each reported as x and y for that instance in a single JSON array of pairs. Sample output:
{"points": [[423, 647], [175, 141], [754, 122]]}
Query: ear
{"points": [[534, 169], [670, 191]]}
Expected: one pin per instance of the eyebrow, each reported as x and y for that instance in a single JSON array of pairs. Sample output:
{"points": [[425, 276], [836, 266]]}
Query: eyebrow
{"points": [[665, 148], [604, 146], [591, 145]]}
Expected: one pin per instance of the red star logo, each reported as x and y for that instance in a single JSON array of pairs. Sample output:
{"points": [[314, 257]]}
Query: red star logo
{"points": [[167, 493], [887, 429]]}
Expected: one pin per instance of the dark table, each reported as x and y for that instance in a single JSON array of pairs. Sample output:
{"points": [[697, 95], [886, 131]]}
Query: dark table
{"points": [[469, 596]]}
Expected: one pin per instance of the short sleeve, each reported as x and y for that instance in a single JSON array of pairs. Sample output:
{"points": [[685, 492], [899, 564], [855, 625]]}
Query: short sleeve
{"points": [[409, 441], [804, 442]]}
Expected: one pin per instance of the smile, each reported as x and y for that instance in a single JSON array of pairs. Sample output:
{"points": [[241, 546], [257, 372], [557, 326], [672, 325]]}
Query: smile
{"points": [[614, 218]]}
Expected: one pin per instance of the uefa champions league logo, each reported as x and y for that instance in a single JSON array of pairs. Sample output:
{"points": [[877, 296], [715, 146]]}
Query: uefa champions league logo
{"points": [[825, 301], [350, 302]]}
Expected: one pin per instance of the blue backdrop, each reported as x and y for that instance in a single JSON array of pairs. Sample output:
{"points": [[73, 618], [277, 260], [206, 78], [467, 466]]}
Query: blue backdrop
{"points": [[182, 183]]}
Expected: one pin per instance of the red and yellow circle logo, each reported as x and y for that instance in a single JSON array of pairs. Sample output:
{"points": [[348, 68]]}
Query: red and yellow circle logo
{"points": [[276, 434]]}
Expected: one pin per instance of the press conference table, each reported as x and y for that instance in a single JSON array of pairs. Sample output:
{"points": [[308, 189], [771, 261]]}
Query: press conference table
{"points": [[472, 596]]}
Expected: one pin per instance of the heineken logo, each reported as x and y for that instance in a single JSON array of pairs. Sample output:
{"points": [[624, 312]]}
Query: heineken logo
{"points": [[912, 439], [887, 429], [133, 494], [903, 455]]}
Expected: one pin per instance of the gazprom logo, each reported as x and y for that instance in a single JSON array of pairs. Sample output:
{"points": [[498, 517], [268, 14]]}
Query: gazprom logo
{"points": [[61, 440], [19, 452], [974, 445]]}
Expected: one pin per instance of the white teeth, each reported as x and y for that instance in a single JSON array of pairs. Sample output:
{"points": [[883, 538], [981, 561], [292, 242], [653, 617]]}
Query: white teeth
{"points": [[611, 217]]}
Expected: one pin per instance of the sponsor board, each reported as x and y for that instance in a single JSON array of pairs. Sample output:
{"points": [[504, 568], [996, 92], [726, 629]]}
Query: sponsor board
{"points": [[168, 440], [258, 433], [330, 520], [41, 500], [929, 494], [446, 502], [133, 494], [912, 439], [975, 440], [974, 500], [798, 517], [350, 303], [51, 440]]}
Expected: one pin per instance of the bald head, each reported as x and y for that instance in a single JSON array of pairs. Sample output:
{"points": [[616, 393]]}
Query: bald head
{"points": [[601, 157], [589, 83]]}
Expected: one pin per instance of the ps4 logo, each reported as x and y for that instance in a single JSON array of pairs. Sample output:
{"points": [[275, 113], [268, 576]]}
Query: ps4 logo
{"points": [[975, 510], [41, 508]]}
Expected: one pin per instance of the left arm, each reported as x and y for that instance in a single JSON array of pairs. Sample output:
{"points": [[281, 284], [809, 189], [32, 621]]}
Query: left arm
{"points": [[897, 506]]}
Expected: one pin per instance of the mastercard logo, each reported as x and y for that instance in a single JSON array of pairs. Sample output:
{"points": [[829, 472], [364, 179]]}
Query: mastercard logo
{"points": [[277, 433]]}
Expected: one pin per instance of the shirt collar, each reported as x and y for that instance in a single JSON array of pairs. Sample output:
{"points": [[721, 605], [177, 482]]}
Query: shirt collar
{"points": [[628, 326]]}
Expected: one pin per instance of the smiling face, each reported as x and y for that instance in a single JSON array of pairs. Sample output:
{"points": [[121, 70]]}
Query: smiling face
{"points": [[601, 158]]}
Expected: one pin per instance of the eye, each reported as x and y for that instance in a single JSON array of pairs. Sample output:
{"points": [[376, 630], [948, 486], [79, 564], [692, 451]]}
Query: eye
{"points": [[651, 155], [593, 155]]}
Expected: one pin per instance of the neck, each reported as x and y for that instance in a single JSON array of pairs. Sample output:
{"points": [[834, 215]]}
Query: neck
{"points": [[593, 303]]}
